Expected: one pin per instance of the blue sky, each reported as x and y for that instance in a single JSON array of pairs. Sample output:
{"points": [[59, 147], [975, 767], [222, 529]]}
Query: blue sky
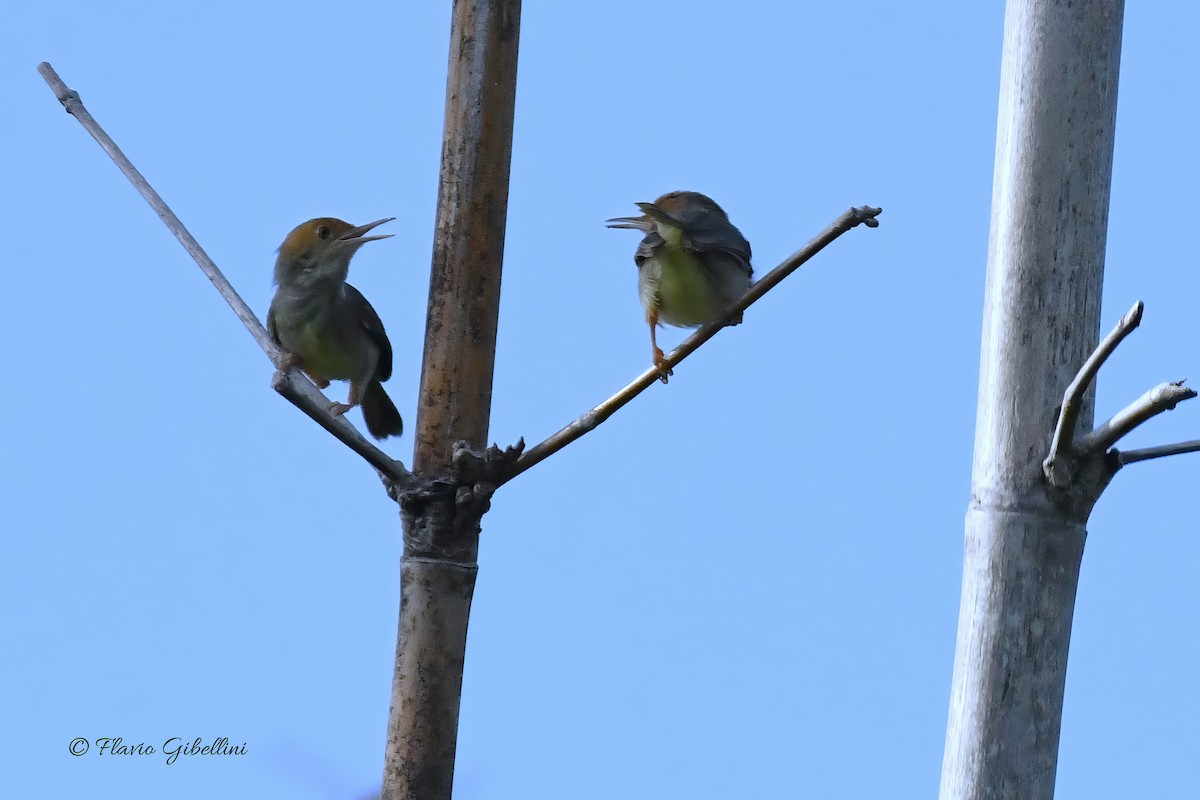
{"points": [[744, 584]]}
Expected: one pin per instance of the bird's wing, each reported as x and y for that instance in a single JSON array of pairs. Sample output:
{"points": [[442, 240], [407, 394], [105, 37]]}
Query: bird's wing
{"points": [[271, 329], [647, 247], [374, 327], [719, 238]]}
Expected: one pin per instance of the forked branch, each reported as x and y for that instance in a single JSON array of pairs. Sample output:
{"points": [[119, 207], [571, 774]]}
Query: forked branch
{"points": [[1091, 457], [299, 391], [1068, 415]]}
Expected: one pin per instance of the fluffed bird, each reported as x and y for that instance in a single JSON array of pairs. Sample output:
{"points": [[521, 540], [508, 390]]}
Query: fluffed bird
{"points": [[325, 325], [692, 263]]}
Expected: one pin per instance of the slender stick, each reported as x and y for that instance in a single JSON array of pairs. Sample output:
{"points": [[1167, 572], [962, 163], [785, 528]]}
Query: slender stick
{"points": [[1163, 397], [74, 106], [296, 389], [1068, 415], [590, 420], [1147, 453]]}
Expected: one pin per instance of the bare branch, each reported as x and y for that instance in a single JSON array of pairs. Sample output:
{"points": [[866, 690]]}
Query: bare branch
{"points": [[74, 106], [1145, 454], [863, 215], [299, 391], [1068, 415], [1163, 397]]}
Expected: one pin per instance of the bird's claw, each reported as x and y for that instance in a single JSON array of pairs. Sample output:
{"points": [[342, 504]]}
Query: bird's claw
{"points": [[660, 363], [336, 408]]}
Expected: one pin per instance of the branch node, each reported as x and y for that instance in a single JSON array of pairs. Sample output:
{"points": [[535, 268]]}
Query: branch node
{"points": [[1133, 317], [478, 475], [865, 215], [490, 466], [1078, 469]]}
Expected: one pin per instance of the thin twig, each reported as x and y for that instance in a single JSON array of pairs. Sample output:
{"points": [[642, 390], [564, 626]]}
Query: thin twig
{"points": [[1163, 397], [1147, 453], [296, 389], [74, 106], [863, 215], [1068, 415]]}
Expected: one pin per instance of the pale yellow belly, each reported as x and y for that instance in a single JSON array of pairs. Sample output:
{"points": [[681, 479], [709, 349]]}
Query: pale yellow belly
{"points": [[676, 283]]}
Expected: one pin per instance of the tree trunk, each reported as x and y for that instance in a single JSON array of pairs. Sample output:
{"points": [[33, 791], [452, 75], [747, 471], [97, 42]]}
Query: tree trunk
{"points": [[1058, 99], [441, 522]]}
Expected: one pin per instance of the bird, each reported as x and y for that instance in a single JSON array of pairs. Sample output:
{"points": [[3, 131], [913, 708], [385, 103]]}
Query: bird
{"points": [[325, 326], [693, 263]]}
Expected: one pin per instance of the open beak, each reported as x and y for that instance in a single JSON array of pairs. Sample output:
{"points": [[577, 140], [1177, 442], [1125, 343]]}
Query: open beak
{"points": [[642, 223], [651, 215], [355, 235]]}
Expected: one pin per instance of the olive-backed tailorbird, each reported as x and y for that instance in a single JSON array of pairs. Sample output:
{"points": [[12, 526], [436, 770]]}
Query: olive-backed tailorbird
{"points": [[692, 263], [325, 325]]}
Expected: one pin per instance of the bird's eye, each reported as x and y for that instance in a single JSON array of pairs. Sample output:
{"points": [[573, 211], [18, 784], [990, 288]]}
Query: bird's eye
{"points": [[322, 232]]}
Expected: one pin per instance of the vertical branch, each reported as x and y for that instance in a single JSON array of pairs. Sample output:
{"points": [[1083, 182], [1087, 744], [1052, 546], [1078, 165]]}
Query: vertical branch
{"points": [[441, 543], [1054, 146], [464, 292]]}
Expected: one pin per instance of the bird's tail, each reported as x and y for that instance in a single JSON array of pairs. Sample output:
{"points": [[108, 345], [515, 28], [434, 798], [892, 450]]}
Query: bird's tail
{"points": [[379, 412]]}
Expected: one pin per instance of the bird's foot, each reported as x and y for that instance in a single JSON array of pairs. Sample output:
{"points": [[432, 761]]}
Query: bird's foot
{"points": [[336, 408], [660, 363], [321, 383]]}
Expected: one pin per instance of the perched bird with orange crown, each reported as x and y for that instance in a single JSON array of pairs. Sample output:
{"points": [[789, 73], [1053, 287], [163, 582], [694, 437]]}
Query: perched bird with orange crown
{"points": [[325, 325], [693, 264]]}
